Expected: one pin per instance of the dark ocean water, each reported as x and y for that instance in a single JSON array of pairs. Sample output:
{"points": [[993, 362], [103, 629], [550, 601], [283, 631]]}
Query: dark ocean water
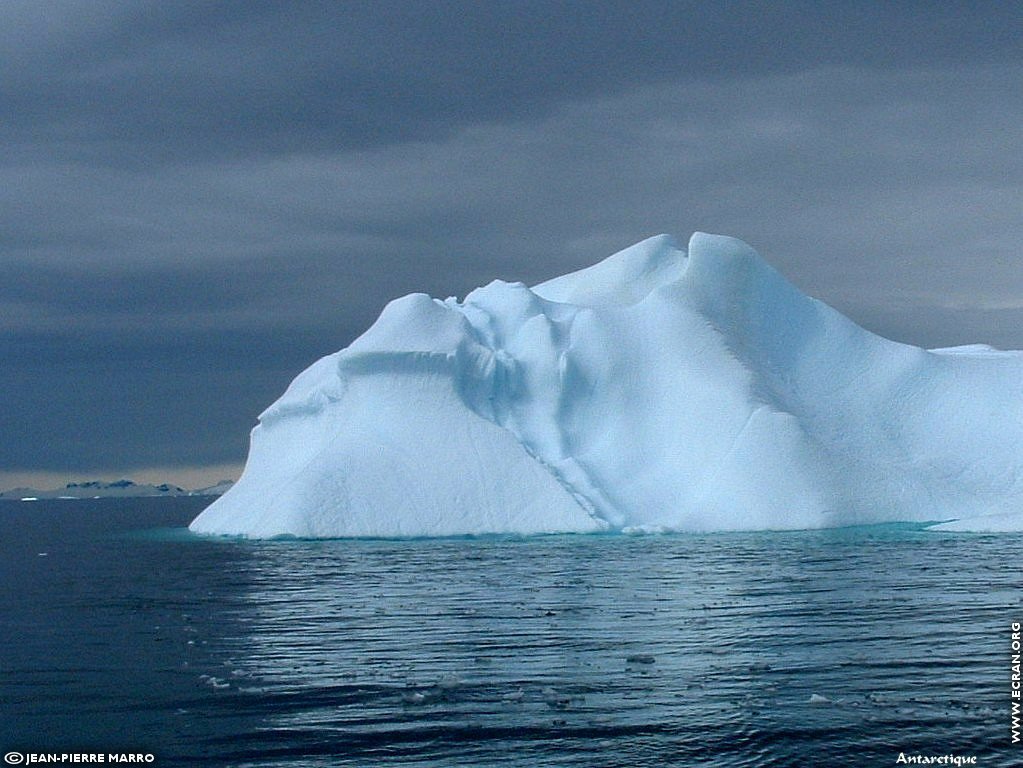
{"points": [[119, 631]]}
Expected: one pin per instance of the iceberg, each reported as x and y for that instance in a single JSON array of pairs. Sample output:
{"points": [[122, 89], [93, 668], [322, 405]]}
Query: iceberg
{"points": [[661, 389]]}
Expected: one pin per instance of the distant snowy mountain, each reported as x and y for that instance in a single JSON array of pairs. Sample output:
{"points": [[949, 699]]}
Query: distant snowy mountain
{"points": [[95, 489], [214, 490], [660, 389]]}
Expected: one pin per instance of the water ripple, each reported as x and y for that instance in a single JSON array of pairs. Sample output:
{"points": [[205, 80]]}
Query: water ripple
{"points": [[838, 648]]}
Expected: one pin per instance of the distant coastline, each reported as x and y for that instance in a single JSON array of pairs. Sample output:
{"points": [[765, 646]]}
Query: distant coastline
{"points": [[96, 489]]}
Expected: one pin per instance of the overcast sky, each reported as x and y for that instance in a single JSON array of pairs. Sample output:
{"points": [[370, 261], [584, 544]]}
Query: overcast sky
{"points": [[198, 199]]}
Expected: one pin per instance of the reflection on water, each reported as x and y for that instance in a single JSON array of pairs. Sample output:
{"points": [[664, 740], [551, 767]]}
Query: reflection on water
{"points": [[719, 650]]}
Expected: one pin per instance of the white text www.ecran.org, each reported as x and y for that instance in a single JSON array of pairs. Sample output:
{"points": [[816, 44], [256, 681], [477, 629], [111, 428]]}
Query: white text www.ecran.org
{"points": [[1014, 680]]}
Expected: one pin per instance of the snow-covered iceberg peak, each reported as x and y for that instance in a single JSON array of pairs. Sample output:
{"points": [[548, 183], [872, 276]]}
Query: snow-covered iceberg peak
{"points": [[625, 278], [660, 389]]}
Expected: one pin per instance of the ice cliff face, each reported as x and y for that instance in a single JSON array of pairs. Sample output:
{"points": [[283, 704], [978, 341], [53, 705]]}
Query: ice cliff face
{"points": [[660, 389]]}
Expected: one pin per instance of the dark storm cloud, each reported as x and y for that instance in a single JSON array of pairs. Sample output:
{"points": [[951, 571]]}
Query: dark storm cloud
{"points": [[198, 199], [151, 82]]}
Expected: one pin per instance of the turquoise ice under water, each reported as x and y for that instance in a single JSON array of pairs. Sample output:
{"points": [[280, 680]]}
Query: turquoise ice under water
{"points": [[119, 631]]}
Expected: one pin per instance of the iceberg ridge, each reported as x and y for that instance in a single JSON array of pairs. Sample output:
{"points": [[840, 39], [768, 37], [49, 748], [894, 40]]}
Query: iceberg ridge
{"points": [[660, 389]]}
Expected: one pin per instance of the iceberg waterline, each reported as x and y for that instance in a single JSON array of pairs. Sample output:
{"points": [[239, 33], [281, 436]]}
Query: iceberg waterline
{"points": [[660, 389]]}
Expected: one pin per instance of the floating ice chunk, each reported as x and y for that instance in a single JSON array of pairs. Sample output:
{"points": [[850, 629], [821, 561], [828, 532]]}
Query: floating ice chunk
{"points": [[658, 390], [556, 700], [450, 682]]}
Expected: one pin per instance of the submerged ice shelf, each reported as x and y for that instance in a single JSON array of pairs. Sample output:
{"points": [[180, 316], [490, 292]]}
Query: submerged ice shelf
{"points": [[661, 389]]}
